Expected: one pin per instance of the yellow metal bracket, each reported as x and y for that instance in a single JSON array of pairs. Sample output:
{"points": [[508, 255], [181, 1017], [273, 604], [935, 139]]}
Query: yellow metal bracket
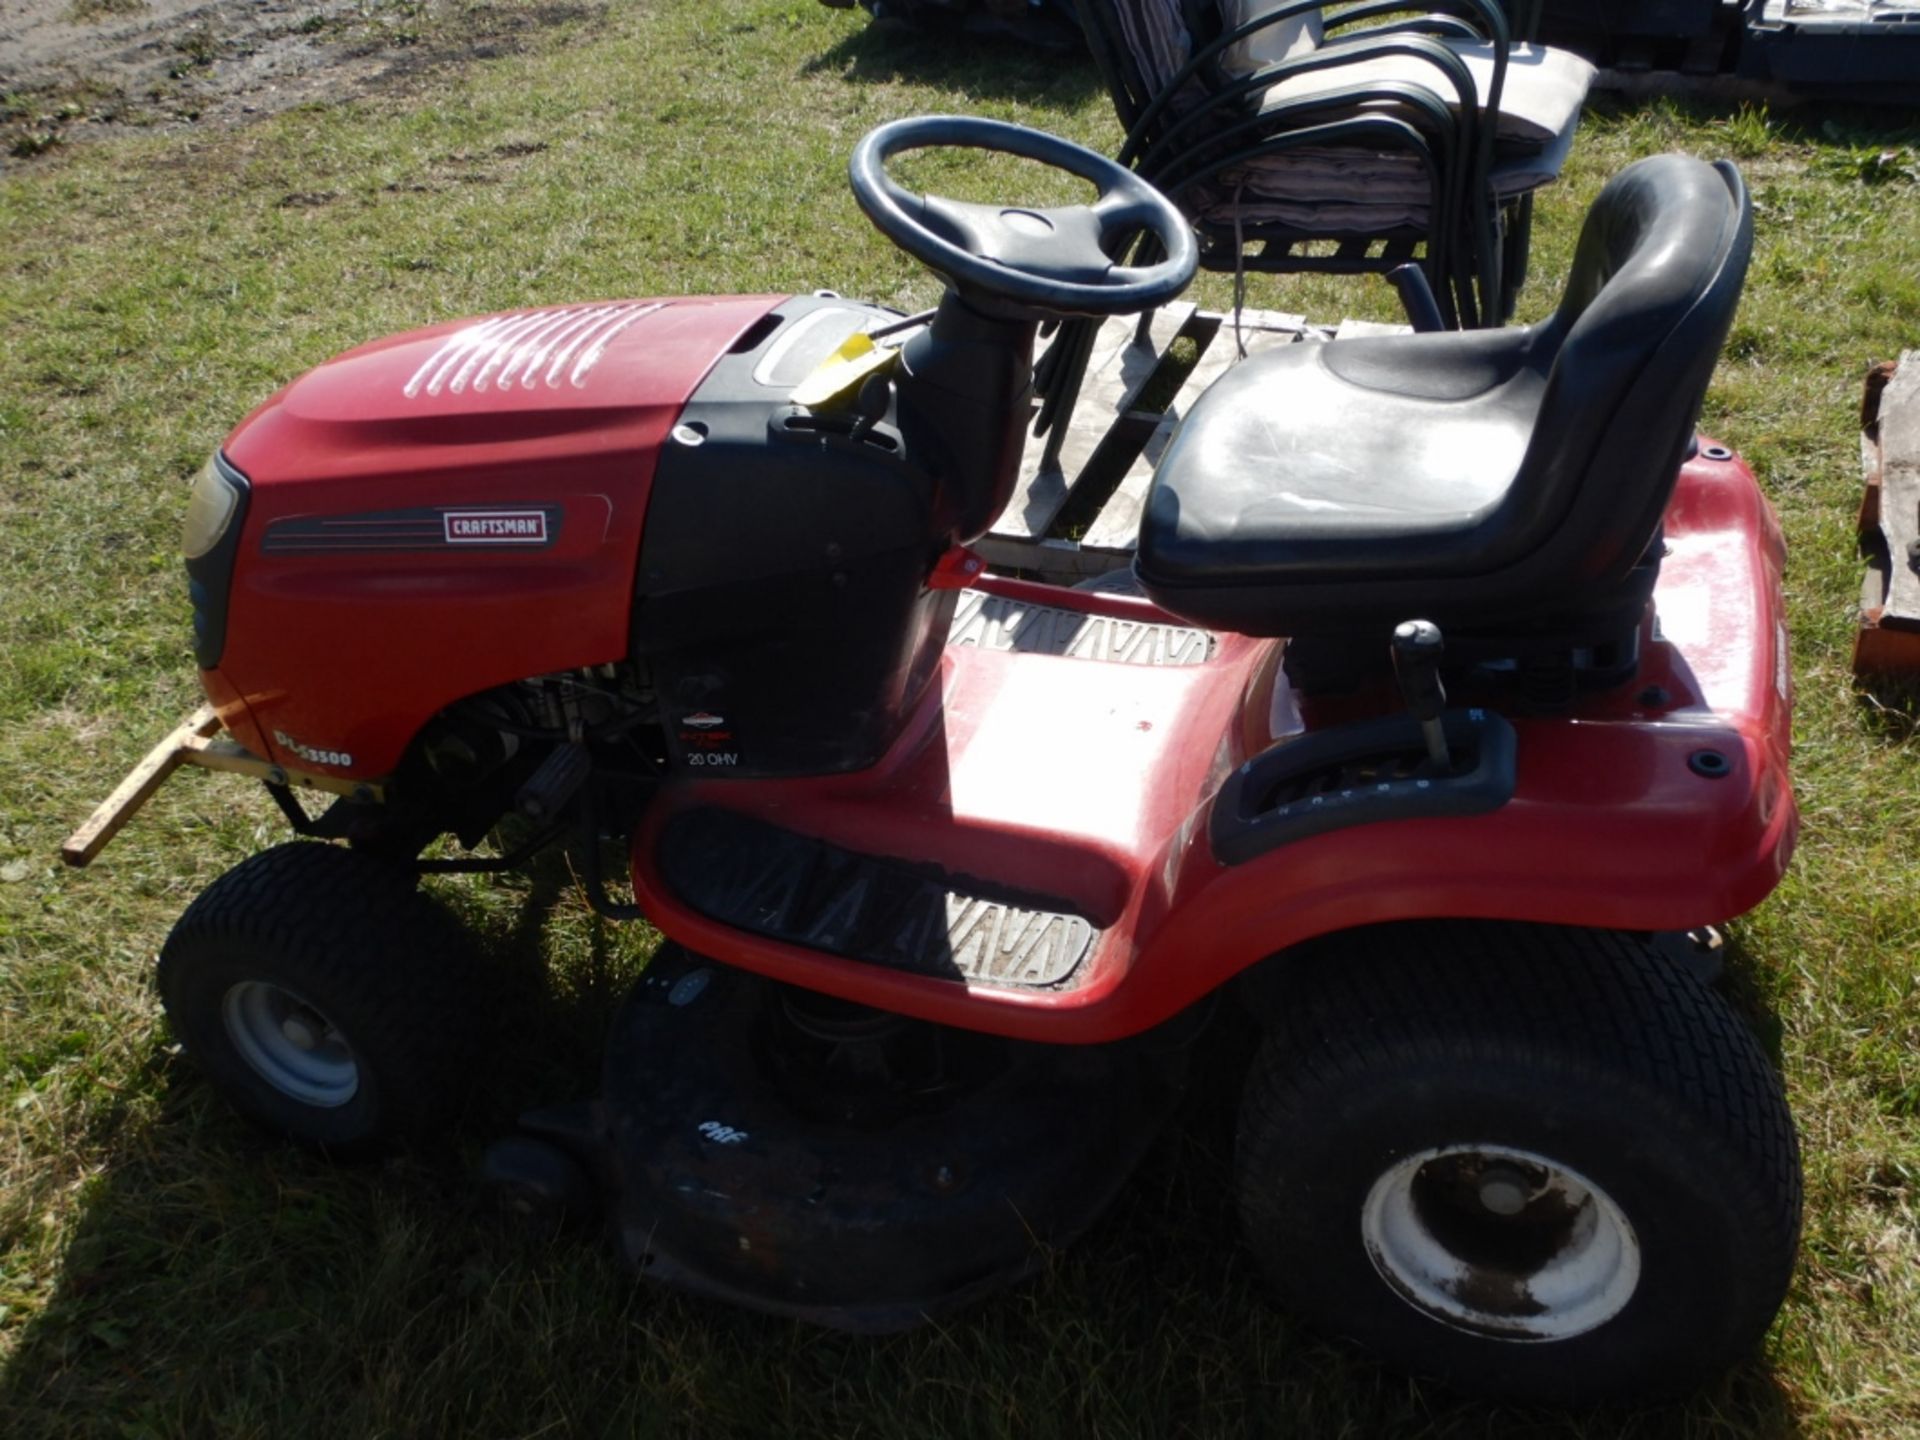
{"points": [[838, 378]]}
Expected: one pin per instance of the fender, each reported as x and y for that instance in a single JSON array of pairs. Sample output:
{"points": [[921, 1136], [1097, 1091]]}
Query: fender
{"points": [[1612, 823]]}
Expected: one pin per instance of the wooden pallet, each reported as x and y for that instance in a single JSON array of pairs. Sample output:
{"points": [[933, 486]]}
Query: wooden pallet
{"points": [[1888, 640], [1080, 517]]}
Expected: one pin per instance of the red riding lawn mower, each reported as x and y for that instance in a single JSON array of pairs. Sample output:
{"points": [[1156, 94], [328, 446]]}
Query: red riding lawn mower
{"points": [[951, 865]]}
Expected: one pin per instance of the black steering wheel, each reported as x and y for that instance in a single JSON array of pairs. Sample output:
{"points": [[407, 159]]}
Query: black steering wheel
{"points": [[1054, 261]]}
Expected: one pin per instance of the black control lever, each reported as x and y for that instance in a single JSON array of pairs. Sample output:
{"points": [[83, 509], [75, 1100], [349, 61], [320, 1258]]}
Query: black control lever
{"points": [[1416, 298], [870, 406], [1417, 648]]}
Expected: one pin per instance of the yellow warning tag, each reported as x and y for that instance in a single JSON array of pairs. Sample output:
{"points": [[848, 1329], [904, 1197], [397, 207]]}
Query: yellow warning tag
{"points": [[836, 379]]}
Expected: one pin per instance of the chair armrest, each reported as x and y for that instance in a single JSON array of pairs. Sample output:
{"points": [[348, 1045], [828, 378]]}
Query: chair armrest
{"points": [[1420, 125], [1174, 157], [1383, 45], [1461, 90], [1473, 132], [1372, 128]]}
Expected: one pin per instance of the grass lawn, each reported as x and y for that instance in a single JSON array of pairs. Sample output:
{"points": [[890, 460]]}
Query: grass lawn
{"points": [[165, 1271]]}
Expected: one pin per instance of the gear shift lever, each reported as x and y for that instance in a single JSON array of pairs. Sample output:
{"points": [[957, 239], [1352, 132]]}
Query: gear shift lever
{"points": [[1417, 647]]}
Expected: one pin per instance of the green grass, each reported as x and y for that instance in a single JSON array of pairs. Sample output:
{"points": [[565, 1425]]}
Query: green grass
{"points": [[163, 1271]]}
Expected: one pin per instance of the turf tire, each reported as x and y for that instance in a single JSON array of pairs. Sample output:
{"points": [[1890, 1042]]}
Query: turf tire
{"points": [[351, 935], [1588, 1048]]}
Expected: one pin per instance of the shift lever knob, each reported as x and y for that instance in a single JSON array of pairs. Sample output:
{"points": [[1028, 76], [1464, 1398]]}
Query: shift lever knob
{"points": [[1417, 648], [870, 406]]}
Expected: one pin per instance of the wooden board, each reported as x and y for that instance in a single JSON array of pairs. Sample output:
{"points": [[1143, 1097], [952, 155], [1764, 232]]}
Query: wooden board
{"points": [[1888, 641], [1119, 522], [1117, 372], [1361, 329], [1112, 444]]}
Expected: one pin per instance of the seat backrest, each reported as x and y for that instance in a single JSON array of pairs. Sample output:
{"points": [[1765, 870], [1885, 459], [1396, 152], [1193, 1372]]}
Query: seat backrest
{"points": [[1138, 46], [1651, 296], [1291, 37]]}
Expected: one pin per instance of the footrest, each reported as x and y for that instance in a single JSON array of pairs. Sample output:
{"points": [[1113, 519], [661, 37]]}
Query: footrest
{"points": [[994, 622], [884, 911]]}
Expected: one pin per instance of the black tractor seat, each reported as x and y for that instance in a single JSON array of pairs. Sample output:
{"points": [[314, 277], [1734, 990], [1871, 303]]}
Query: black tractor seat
{"points": [[1506, 484]]}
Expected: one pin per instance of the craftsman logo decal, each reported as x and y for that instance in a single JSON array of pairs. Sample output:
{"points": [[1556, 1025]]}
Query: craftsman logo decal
{"points": [[514, 525], [496, 527]]}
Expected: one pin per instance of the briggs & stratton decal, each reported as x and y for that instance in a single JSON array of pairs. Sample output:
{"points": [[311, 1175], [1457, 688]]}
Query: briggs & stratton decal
{"points": [[707, 741]]}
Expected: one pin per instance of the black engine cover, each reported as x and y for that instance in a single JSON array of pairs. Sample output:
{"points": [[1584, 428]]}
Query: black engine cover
{"points": [[780, 605]]}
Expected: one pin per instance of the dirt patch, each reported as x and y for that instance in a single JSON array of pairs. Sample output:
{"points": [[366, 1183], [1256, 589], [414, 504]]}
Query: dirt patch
{"points": [[74, 68]]}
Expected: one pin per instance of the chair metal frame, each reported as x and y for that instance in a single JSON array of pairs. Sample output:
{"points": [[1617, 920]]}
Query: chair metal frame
{"points": [[1203, 123]]}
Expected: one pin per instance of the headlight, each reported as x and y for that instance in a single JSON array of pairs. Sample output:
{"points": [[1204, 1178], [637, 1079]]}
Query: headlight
{"points": [[210, 510], [216, 516]]}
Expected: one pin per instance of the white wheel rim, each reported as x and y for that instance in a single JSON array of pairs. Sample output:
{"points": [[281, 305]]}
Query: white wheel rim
{"points": [[1501, 1242], [290, 1044]]}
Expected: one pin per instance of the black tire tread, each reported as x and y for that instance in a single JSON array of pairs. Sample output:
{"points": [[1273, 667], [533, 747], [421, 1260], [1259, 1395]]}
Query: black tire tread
{"points": [[358, 925], [1585, 1006]]}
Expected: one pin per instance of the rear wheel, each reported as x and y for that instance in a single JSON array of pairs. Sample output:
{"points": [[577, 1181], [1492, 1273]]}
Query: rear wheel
{"points": [[323, 996], [1538, 1163]]}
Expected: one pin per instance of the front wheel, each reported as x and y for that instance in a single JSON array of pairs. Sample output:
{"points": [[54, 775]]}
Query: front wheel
{"points": [[1536, 1163], [323, 996]]}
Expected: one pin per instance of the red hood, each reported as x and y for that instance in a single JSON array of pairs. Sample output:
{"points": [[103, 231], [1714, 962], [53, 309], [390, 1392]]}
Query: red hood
{"points": [[544, 376], [354, 610]]}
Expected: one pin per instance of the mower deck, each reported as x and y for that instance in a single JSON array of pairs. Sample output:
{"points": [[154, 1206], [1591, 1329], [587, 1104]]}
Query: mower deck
{"points": [[850, 1168]]}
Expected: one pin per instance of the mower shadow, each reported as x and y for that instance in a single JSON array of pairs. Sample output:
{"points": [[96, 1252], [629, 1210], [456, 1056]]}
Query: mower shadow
{"points": [[1888, 707], [1740, 985], [1154, 1325], [219, 1282], [981, 67], [1163, 1263], [551, 979]]}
